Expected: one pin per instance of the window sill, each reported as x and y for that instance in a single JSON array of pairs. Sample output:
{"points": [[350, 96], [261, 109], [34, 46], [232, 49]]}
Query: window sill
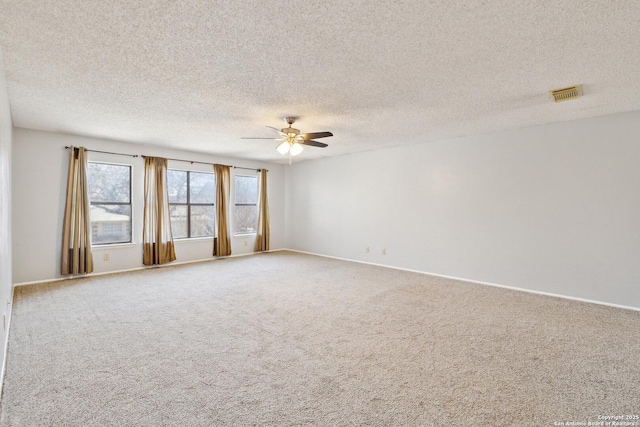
{"points": [[244, 235], [192, 239], [101, 246]]}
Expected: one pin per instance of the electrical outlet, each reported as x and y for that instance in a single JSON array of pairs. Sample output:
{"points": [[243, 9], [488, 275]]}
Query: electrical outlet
{"points": [[366, 250], [106, 257], [246, 243], [384, 252]]}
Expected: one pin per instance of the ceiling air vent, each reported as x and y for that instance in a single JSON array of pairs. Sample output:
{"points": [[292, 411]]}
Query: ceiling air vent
{"points": [[566, 94]]}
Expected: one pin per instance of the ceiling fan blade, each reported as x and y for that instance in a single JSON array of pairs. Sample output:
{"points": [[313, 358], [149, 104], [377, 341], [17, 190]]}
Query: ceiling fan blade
{"points": [[257, 137], [313, 143], [312, 135], [275, 130]]}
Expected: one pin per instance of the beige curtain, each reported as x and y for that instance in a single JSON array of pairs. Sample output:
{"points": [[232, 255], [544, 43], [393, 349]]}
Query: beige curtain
{"points": [[76, 229], [157, 240], [222, 242], [262, 236]]}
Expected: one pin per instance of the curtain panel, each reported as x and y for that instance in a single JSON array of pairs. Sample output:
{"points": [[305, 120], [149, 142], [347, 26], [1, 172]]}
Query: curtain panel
{"points": [[157, 239], [76, 228], [222, 242], [262, 235]]}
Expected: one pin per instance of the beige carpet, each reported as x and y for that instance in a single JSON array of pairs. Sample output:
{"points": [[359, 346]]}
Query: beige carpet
{"points": [[292, 339]]}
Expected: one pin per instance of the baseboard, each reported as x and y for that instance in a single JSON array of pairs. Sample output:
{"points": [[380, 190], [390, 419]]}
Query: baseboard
{"points": [[464, 279], [146, 267], [514, 288], [6, 346]]}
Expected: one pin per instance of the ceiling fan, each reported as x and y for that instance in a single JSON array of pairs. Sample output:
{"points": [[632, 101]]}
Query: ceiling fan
{"points": [[292, 141]]}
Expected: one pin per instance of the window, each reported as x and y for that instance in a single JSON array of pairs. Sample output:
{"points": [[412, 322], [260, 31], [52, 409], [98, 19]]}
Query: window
{"points": [[246, 212], [191, 199], [110, 197]]}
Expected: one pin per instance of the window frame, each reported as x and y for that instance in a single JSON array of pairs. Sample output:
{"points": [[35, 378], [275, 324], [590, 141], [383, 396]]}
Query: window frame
{"points": [[236, 204], [130, 203], [188, 204]]}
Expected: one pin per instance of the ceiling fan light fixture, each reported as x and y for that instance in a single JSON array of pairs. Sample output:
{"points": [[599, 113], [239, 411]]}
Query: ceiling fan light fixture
{"points": [[283, 147], [296, 149]]}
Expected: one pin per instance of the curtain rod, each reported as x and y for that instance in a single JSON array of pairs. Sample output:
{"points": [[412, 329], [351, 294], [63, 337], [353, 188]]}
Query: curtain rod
{"points": [[176, 160], [207, 163], [105, 152]]}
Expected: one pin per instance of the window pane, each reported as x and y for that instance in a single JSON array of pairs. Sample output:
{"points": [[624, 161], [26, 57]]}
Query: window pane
{"points": [[246, 189], [177, 187], [178, 215], [110, 224], [202, 221], [202, 187], [110, 198], [109, 183], [246, 219]]}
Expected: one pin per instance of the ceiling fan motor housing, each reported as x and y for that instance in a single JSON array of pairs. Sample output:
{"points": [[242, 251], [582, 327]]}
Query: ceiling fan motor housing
{"points": [[290, 131]]}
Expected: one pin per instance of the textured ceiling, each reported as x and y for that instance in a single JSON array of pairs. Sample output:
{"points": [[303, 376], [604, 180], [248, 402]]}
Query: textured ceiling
{"points": [[199, 75]]}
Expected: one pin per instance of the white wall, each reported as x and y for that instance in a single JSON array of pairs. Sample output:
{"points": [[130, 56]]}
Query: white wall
{"points": [[553, 208], [39, 181], [5, 211]]}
